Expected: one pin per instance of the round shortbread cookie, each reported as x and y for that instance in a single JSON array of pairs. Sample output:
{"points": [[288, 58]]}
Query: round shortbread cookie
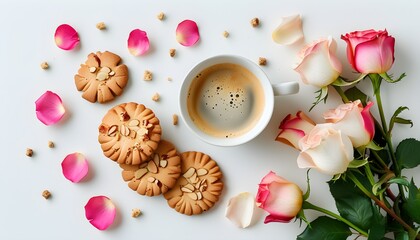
{"points": [[101, 77], [129, 133], [199, 187], [157, 175]]}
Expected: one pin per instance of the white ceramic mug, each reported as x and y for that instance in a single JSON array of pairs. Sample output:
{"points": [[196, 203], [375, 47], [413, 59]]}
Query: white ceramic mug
{"points": [[269, 92]]}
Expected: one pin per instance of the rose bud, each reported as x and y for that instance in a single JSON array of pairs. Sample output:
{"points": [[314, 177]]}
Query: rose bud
{"points": [[370, 51], [319, 66], [354, 121], [293, 128], [280, 198], [326, 149]]}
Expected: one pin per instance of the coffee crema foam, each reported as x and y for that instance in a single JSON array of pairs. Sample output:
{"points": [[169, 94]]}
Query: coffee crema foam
{"points": [[225, 100]]}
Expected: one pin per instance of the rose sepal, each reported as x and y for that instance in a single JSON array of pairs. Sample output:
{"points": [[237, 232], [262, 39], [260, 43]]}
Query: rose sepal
{"points": [[389, 79], [343, 82], [322, 96], [372, 145], [356, 163]]}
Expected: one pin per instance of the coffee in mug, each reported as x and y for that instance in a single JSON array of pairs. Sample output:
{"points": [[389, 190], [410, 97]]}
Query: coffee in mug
{"points": [[225, 100], [228, 100]]}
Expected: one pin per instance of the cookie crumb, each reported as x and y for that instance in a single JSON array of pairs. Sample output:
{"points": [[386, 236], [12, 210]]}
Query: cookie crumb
{"points": [[29, 152], [147, 75], [175, 119], [172, 52], [44, 65], [262, 61], [156, 97], [226, 34], [46, 194], [161, 16], [255, 22], [101, 26], [135, 212], [50, 144], [169, 79]]}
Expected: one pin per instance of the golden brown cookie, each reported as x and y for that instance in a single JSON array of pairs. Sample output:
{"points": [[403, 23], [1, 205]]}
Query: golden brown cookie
{"points": [[101, 77], [129, 133], [157, 175], [199, 187]]}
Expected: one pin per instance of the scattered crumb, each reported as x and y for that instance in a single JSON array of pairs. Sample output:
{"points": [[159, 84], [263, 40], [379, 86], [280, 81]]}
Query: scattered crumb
{"points": [[101, 26], [169, 79], [161, 16], [44, 65], [50, 144], [225, 34], [262, 61], [29, 152], [147, 75], [135, 212], [255, 22], [175, 119], [46, 194], [156, 97], [172, 52]]}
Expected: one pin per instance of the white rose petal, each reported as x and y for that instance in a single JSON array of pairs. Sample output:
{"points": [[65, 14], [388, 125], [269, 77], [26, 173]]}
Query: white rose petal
{"points": [[319, 66], [240, 209], [331, 155], [289, 31]]}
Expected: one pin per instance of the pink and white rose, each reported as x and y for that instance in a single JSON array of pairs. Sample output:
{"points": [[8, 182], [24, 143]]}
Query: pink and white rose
{"points": [[293, 128], [280, 198], [318, 64], [326, 149], [354, 120], [370, 51]]}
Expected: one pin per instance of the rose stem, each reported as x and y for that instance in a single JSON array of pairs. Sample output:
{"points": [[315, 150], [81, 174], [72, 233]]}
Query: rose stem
{"points": [[308, 205], [376, 83], [378, 202], [341, 93]]}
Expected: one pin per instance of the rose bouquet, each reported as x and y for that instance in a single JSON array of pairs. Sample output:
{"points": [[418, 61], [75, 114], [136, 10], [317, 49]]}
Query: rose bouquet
{"points": [[373, 197]]}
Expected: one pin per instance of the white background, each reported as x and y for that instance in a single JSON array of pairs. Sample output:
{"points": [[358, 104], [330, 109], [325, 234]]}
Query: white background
{"points": [[27, 29]]}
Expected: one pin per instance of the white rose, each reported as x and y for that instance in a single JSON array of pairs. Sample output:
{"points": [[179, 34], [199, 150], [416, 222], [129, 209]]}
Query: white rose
{"points": [[325, 149], [319, 66]]}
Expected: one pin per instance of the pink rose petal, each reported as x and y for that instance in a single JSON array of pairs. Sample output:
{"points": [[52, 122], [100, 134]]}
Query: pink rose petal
{"points": [[49, 108], [75, 167], [187, 33], [138, 42], [368, 121], [66, 37], [100, 211]]}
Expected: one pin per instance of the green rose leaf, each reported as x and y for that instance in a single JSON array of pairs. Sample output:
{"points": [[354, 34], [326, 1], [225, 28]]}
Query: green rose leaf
{"points": [[397, 230], [383, 154], [378, 227], [401, 236], [354, 94], [408, 153], [351, 203], [412, 206], [325, 228]]}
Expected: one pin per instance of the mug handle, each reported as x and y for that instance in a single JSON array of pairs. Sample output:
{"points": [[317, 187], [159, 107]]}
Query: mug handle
{"points": [[285, 88]]}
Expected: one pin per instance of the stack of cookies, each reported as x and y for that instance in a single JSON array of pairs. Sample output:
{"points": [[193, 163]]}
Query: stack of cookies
{"points": [[130, 134]]}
